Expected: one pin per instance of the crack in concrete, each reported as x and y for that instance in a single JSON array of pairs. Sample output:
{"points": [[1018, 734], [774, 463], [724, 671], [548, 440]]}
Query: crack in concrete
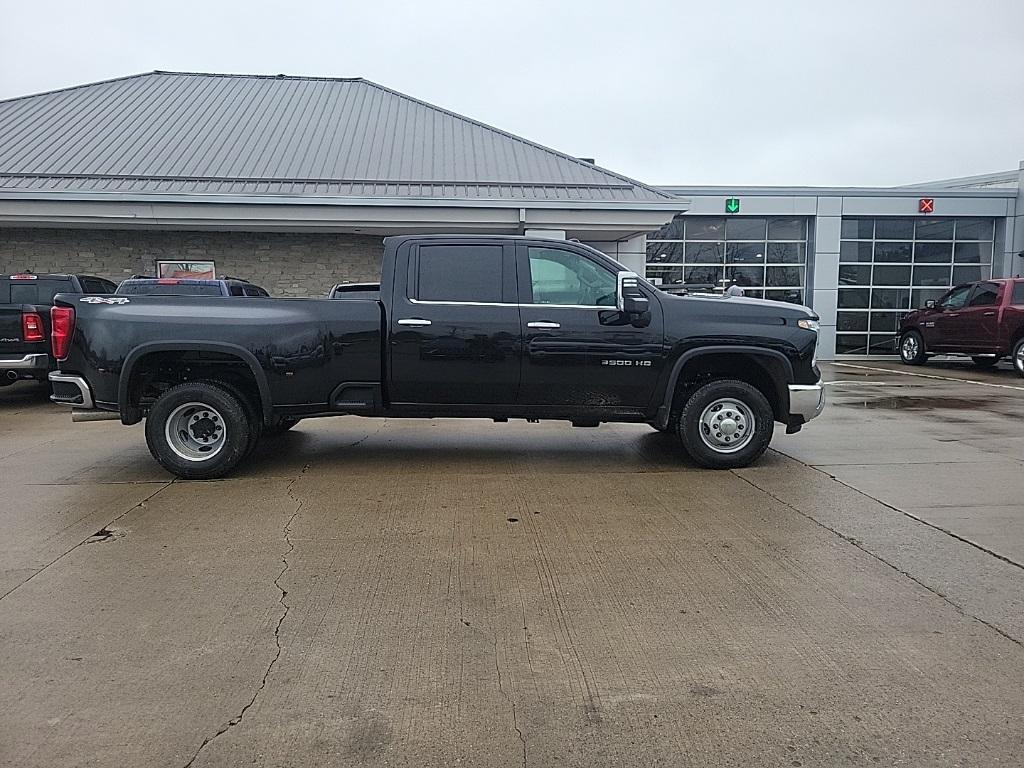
{"points": [[509, 699], [860, 545], [285, 566], [91, 537]]}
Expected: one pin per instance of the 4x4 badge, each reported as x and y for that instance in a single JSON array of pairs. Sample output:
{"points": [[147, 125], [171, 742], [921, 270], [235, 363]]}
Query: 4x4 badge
{"points": [[104, 300]]}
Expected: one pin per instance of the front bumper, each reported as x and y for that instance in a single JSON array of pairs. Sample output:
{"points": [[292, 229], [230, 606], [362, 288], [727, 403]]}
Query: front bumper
{"points": [[70, 390], [806, 401]]}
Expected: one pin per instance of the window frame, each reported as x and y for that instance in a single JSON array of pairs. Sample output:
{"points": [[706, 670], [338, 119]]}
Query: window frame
{"points": [[976, 290], [507, 287]]}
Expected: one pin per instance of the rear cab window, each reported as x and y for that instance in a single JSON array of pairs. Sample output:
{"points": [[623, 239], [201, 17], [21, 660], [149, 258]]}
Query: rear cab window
{"points": [[34, 290]]}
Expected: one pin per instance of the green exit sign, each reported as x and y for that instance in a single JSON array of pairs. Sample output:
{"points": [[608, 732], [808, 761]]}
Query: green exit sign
{"points": [[732, 205]]}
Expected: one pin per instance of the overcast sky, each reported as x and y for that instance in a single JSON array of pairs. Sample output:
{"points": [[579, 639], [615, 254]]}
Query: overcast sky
{"points": [[728, 92]]}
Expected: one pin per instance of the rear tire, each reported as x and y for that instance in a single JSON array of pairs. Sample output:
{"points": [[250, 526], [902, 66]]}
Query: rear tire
{"points": [[912, 351], [984, 362], [726, 424], [198, 431], [1018, 357]]}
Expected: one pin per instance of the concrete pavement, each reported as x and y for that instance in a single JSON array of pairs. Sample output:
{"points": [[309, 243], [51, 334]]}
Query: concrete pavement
{"points": [[437, 593]]}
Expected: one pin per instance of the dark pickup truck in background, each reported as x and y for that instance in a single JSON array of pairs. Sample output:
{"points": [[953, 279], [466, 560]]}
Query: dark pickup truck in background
{"points": [[486, 327], [25, 301], [984, 320], [189, 286]]}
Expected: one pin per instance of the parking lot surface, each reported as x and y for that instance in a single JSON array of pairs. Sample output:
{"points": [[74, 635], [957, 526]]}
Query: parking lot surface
{"points": [[427, 593]]}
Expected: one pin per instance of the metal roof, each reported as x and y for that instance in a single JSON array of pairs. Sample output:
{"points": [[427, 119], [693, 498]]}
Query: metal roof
{"points": [[211, 134]]}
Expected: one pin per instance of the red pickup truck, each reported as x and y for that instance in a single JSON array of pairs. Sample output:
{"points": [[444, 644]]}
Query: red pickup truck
{"points": [[984, 320]]}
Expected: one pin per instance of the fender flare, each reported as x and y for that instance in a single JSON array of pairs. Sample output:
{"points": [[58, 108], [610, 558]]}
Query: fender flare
{"points": [[777, 360], [234, 350]]}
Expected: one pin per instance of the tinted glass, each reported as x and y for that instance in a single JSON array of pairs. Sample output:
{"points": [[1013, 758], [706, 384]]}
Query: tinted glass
{"points": [[564, 277], [95, 285], [671, 231], [705, 253], [660, 253], [705, 228], [886, 274], [704, 275], [787, 229], [1018, 293], [169, 289], [236, 290], [459, 273], [854, 298], [857, 229], [745, 229], [745, 276], [667, 275], [852, 251], [34, 291], [935, 229], [885, 321], [855, 274], [930, 253], [851, 321], [790, 295], [972, 253], [789, 277], [974, 229], [882, 345], [971, 273], [984, 295], [931, 276], [786, 253], [894, 229], [851, 343], [893, 252], [745, 253], [890, 298]]}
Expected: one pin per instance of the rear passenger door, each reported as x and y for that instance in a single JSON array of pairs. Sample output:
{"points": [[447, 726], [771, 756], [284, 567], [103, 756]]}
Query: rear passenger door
{"points": [[454, 324]]}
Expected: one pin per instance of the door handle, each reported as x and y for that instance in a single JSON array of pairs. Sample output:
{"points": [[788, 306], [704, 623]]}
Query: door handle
{"points": [[542, 324], [416, 322], [988, 314]]}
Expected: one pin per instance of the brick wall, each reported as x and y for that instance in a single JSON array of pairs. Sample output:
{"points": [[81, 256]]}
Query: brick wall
{"points": [[285, 264]]}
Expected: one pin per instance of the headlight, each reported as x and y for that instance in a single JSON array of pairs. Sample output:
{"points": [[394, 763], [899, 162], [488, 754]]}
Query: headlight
{"points": [[808, 325]]}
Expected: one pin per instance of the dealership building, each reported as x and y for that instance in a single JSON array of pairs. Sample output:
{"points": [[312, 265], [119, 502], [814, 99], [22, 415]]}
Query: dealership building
{"points": [[291, 182]]}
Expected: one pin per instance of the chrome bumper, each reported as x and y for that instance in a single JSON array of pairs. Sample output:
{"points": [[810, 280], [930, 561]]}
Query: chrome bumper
{"points": [[806, 400], [24, 362], [85, 393]]}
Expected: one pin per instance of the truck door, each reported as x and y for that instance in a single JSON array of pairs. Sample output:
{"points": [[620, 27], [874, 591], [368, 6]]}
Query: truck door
{"points": [[578, 350], [454, 333], [943, 329], [980, 318]]}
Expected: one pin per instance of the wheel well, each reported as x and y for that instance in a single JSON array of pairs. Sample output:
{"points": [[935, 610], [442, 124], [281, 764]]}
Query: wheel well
{"points": [[763, 373], [155, 372]]}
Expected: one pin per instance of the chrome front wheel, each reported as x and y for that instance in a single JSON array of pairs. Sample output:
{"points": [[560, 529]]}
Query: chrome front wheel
{"points": [[727, 425], [1018, 357]]}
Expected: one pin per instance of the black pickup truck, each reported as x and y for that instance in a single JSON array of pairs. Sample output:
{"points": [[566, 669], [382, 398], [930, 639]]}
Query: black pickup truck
{"points": [[485, 327], [25, 301]]}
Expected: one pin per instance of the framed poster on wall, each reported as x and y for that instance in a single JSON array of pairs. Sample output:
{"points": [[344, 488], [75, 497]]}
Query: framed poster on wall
{"points": [[197, 270]]}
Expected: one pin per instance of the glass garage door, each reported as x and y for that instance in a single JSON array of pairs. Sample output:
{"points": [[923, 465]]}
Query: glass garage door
{"points": [[888, 266], [766, 256]]}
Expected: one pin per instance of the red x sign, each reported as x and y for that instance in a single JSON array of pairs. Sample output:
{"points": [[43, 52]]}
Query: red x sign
{"points": [[926, 205]]}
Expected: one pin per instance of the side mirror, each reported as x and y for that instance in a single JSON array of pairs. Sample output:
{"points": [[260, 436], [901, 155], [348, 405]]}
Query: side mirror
{"points": [[628, 296], [930, 304]]}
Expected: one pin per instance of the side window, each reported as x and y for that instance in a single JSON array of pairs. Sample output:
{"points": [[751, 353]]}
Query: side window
{"points": [[984, 295], [96, 285], [564, 277], [251, 290], [956, 298], [1018, 293], [459, 273], [236, 289]]}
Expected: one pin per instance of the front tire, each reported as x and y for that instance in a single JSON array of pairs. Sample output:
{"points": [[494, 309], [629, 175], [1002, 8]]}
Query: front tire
{"points": [[912, 351], [198, 431], [726, 424]]}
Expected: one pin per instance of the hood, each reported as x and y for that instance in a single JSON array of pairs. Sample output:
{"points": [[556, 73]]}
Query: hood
{"points": [[745, 306]]}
